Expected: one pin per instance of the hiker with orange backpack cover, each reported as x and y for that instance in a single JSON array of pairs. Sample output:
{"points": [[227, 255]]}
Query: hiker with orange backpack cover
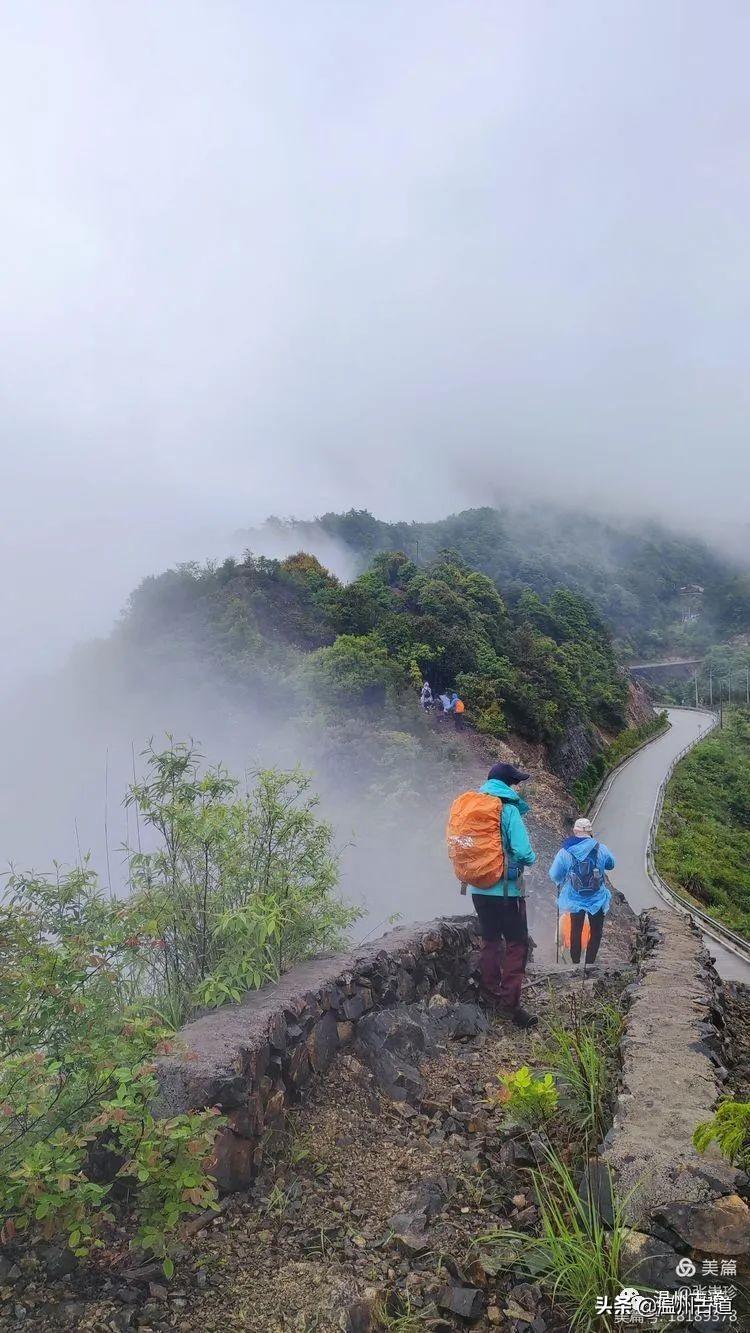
{"points": [[487, 840], [458, 708]]}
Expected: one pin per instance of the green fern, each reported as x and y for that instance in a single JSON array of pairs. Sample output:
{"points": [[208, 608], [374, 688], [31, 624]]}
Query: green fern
{"points": [[730, 1130]]}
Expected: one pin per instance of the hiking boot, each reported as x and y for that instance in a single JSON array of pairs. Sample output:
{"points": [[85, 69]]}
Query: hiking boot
{"points": [[522, 1018]]}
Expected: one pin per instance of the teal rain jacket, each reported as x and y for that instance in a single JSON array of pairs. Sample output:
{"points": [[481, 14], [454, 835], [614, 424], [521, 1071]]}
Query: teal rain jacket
{"points": [[515, 838]]}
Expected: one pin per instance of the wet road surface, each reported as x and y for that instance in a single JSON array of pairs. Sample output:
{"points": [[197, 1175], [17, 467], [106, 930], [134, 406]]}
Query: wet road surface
{"points": [[623, 822]]}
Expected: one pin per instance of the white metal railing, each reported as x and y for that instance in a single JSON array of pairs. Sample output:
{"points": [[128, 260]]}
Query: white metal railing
{"points": [[722, 934]]}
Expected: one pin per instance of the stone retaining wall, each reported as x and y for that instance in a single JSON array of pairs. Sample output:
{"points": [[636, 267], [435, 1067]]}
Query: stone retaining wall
{"points": [[672, 1075], [253, 1059]]}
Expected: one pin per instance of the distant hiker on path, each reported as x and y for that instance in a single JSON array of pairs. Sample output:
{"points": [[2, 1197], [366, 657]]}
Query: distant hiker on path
{"points": [[458, 709], [578, 870], [425, 697], [489, 847], [446, 702]]}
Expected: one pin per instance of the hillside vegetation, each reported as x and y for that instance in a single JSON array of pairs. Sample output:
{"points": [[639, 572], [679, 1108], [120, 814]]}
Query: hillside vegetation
{"points": [[225, 892], [655, 589], [704, 836], [360, 649]]}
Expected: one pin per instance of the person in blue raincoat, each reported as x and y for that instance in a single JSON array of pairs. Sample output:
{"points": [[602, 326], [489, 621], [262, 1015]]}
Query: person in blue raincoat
{"points": [[579, 871]]}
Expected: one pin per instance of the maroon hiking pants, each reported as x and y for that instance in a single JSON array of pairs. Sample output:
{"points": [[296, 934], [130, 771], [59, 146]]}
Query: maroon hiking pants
{"points": [[502, 920]]}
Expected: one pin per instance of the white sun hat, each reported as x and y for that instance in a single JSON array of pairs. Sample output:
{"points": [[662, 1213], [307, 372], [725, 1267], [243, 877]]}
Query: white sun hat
{"points": [[583, 828]]}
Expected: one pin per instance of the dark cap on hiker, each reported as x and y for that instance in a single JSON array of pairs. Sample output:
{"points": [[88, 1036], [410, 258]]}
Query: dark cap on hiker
{"points": [[507, 773]]}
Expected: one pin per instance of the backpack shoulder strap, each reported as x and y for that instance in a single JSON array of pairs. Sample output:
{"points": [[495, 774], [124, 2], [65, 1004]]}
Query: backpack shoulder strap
{"points": [[506, 848]]}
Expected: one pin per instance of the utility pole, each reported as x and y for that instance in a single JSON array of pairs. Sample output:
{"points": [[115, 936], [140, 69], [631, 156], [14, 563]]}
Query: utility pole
{"points": [[711, 685], [729, 687], [696, 689]]}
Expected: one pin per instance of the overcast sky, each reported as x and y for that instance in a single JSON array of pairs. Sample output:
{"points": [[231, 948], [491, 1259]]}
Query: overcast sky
{"points": [[290, 256]]}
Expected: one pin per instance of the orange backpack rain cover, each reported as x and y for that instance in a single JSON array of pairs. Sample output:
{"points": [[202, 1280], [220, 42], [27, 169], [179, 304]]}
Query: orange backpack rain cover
{"points": [[566, 926], [474, 843]]}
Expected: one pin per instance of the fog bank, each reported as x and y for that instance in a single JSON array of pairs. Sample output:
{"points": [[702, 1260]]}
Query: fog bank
{"points": [[295, 258]]}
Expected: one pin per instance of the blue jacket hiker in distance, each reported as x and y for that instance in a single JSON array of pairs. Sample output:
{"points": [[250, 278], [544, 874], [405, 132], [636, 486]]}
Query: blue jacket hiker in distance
{"points": [[577, 854], [501, 908]]}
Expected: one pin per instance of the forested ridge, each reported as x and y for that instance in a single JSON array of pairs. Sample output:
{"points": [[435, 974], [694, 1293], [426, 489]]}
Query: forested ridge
{"points": [[362, 647], [656, 589]]}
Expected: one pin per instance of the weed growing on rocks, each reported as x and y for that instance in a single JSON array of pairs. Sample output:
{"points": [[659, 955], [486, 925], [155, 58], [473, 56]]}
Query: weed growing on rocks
{"points": [[400, 1317], [574, 1255], [278, 1199], [581, 1053], [530, 1100]]}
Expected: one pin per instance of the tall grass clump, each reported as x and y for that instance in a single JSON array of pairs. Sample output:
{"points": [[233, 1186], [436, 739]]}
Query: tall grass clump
{"points": [[575, 1257], [581, 1057]]}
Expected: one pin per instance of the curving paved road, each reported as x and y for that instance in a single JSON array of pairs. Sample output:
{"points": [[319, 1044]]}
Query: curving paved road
{"points": [[623, 821]]}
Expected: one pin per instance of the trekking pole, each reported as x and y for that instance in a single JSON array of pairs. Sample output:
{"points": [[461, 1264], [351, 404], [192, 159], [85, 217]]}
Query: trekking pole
{"points": [[557, 936]]}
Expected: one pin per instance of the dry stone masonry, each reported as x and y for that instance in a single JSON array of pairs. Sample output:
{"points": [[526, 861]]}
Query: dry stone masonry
{"points": [[254, 1059], [672, 1075]]}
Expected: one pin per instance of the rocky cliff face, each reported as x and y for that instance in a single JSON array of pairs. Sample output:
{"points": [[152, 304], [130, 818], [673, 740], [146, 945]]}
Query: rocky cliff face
{"points": [[639, 708], [582, 742], [575, 751]]}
